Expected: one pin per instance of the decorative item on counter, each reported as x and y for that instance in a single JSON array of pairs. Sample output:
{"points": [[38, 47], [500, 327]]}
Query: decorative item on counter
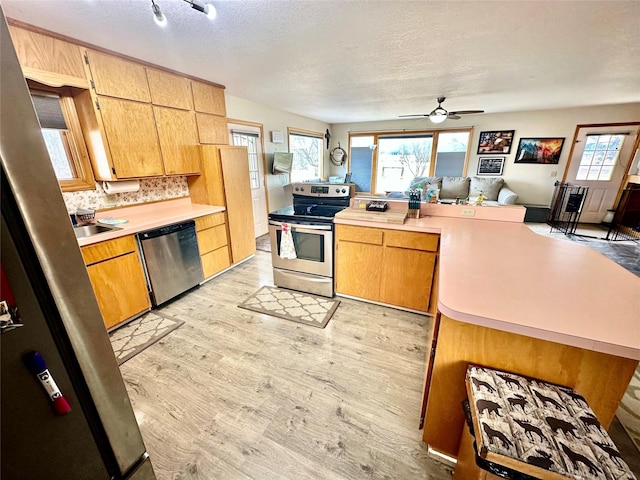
{"points": [[377, 206], [414, 203], [433, 193], [480, 199], [112, 221], [85, 216]]}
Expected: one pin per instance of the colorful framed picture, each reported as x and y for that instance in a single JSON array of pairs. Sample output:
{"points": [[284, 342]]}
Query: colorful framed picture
{"points": [[539, 150], [490, 165], [495, 142]]}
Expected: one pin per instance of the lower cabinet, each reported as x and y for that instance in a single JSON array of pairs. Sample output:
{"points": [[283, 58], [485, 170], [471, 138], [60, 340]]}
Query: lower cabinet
{"points": [[383, 265], [117, 278], [213, 244]]}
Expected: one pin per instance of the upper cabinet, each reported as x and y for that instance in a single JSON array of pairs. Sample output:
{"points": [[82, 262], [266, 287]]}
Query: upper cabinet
{"points": [[208, 98], [118, 78], [168, 90], [178, 140], [48, 60], [137, 121]]}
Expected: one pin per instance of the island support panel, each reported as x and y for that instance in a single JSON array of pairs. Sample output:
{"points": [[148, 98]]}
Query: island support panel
{"points": [[601, 378]]}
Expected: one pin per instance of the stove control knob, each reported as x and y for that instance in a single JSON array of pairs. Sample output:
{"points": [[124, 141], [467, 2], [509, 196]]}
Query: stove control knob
{"points": [[344, 191], [297, 188], [302, 189], [337, 190]]}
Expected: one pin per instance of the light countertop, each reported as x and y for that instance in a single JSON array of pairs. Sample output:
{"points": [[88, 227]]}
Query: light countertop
{"points": [[503, 275], [150, 215]]}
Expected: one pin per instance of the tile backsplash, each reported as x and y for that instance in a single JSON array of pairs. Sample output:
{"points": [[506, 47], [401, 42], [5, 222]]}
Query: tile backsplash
{"points": [[151, 190]]}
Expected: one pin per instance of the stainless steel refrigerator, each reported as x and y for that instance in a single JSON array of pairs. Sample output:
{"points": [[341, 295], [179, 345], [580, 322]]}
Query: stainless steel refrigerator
{"points": [[44, 277]]}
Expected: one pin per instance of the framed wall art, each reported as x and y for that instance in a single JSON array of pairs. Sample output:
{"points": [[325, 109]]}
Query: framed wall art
{"points": [[539, 150], [490, 165], [495, 142]]}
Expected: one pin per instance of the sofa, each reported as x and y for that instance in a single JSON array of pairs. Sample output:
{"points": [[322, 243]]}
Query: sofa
{"points": [[465, 188]]}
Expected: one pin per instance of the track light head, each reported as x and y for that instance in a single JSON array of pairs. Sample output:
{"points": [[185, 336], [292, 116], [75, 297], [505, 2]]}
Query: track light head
{"points": [[158, 16], [206, 8]]}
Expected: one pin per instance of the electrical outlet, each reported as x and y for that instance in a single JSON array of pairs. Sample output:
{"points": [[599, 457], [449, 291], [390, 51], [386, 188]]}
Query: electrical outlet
{"points": [[468, 212]]}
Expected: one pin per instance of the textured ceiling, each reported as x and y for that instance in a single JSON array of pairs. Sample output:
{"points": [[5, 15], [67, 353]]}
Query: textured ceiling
{"points": [[364, 60]]}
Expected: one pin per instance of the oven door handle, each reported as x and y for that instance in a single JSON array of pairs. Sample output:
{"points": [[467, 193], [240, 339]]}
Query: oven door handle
{"points": [[299, 226]]}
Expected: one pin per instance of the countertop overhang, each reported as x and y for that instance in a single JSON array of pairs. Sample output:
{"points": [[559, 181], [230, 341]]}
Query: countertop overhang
{"points": [[502, 275], [150, 215]]}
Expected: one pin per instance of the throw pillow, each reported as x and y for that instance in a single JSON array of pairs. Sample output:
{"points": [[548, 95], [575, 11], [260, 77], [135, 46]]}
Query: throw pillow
{"points": [[455, 187], [489, 186]]}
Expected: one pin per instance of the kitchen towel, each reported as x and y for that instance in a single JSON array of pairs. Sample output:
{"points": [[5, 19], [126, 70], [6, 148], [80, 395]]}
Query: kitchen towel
{"points": [[287, 248]]}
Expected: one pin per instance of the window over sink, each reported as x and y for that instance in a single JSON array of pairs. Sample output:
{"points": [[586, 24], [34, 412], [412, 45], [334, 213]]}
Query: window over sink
{"points": [[62, 133]]}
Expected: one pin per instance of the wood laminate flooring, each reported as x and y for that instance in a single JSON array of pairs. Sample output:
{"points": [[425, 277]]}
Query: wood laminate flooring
{"points": [[234, 394]]}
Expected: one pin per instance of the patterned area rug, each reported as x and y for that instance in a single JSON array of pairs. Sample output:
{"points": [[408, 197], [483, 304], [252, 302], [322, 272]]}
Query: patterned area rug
{"points": [[290, 305], [263, 243], [141, 333]]}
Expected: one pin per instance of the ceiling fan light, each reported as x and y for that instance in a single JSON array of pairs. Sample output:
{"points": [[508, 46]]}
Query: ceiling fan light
{"points": [[438, 117], [210, 11]]}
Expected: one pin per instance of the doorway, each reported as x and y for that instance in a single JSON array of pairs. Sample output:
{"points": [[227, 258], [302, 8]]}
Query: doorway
{"points": [[250, 136], [600, 158]]}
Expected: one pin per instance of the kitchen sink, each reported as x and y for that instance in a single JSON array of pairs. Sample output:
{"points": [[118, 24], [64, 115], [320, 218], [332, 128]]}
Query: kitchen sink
{"points": [[91, 230]]}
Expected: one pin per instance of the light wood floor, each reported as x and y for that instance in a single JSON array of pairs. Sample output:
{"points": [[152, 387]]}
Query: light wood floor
{"points": [[236, 395]]}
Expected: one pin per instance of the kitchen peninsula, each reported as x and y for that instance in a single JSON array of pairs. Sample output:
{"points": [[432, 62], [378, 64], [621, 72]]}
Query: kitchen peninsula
{"points": [[510, 299]]}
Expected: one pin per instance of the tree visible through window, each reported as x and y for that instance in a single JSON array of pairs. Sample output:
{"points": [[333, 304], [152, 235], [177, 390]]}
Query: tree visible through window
{"points": [[400, 159], [388, 162], [307, 155]]}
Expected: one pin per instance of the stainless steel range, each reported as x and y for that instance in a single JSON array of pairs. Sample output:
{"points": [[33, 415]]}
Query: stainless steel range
{"points": [[310, 221]]}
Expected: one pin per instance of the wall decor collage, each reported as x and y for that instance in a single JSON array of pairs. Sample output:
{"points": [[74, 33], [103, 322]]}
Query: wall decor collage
{"points": [[530, 150]]}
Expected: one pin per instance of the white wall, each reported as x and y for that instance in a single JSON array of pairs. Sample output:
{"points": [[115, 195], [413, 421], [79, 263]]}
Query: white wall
{"points": [[273, 119], [532, 182]]}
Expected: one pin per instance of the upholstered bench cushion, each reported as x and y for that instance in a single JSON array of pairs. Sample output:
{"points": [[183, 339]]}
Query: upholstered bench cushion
{"points": [[542, 425]]}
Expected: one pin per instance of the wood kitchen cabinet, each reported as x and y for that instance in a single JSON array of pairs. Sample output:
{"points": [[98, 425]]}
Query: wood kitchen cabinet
{"points": [[169, 90], [212, 129], [224, 181], [383, 265], [213, 244], [209, 104], [358, 266], [48, 60], [115, 77], [117, 278], [178, 137], [208, 98], [408, 267]]}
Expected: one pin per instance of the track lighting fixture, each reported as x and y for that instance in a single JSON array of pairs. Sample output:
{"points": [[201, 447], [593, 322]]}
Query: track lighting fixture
{"points": [[206, 8], [158, 16]]}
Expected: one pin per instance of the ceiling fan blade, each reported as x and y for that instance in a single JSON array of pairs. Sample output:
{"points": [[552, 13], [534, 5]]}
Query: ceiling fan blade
{"points": [[466, 112], [416, 115], [453, 117]]}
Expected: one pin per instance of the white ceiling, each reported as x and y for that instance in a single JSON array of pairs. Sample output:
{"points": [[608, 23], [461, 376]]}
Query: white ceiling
{"points": [[364, 60]]}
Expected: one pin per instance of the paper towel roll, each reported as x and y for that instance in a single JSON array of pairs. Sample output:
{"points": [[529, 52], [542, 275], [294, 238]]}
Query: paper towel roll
{"points": [[121, 187]]}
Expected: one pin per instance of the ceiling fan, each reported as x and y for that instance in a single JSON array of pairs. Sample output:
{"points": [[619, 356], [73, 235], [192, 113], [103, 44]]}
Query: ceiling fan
{"points": [[439, 114]]}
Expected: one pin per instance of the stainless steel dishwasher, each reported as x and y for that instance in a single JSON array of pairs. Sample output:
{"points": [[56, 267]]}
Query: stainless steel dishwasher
{"points": [[172, 260]]}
